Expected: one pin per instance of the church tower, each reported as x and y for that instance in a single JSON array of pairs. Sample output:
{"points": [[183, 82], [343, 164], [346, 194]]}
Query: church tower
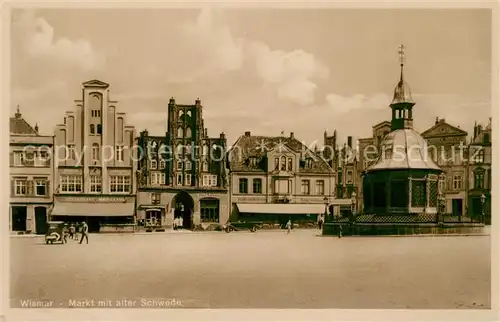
{"points": [[402, 103]]}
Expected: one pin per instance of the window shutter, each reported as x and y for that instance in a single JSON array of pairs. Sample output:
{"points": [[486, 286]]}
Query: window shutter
{"points": [[12, 187]]}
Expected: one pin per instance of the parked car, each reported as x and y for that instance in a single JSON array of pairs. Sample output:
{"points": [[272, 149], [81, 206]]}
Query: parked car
{"points": [[56, 232]]}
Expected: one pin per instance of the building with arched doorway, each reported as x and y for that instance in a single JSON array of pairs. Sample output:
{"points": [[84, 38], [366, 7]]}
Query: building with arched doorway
{"points": [[30, 176], [182, 174]]}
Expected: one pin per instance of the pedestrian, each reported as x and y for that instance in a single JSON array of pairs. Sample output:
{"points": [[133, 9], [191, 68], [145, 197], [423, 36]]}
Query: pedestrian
{"points": [[85, 232], [288, 226], [72, 231], [320, 222], [176, 223], [181, 222], [340, 231]]}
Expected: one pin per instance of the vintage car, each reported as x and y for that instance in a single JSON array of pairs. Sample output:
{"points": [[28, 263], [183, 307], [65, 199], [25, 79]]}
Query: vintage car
{"points": [[56, 232]]}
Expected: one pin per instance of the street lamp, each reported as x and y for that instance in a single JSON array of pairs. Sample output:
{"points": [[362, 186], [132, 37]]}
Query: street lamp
{"points": [[483, 201]]}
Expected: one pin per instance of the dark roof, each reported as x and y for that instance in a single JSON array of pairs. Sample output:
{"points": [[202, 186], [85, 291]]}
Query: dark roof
{"points": [[19, 126], [250, 146]]}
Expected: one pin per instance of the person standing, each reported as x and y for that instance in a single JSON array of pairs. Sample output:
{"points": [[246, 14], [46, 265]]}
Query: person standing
{"points": [[320, 222], [72, 231], [181, 222], [85, 232], [288, 226]]}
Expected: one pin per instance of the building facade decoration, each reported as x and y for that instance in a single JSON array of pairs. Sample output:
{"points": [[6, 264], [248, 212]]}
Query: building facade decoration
{"points": [[95, 162], [182, 174], [31, 176]]}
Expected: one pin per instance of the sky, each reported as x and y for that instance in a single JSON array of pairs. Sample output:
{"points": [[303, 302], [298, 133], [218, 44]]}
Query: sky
{"points": [[259, 70]]}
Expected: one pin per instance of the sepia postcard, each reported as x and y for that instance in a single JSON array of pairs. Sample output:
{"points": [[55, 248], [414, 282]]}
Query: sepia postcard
{"points": [[238, 161]]}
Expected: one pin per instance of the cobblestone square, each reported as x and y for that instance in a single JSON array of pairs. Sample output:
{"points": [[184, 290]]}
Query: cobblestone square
{"points": [[254, 270]]}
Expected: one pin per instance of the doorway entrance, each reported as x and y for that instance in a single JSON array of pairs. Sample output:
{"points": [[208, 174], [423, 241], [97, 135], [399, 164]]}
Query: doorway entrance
{"points": [[457, 207], [184, 206], [19, 216], [41, 220]]}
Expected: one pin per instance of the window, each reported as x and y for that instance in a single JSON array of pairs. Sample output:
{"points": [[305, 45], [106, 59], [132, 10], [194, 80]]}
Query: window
{"points": [[41, 187], [188, 149], [71, 183], [95, 151], [252, 161], [457, 182], [309, 163], [92, 129], [209, 180], [99, 129], [155, 198], [204, 166], [243, 185], [178, 149], [95, 183], [479, 157], [119, 184], [441, 182], [486, 139], [162, 164], [282, 186], [349, 177], [188, 165], [120, 129], [119, 153], [188, 113], [257, 185], [479, 179], [71, 152], [188, 132], [304, 187], [339, 178], [209, 210], [18, 158], [21, 187], [179, 165], [181, 113], [276, 163], [205, 150], [283, 163], [290, 164], [188, 180], [320, 187], [153, 164], [157, 178], [340, 192], [179, 179], [180, 132]]}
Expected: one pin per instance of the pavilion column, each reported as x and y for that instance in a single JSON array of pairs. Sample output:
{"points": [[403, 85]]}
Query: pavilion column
{"points": [[372, 196], [409, 193], [427, 192], [387, 193]]}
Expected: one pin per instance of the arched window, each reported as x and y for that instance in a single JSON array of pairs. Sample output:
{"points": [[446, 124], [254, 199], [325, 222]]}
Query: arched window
{"points": [[180, 132], [120, 129], [188, 148], [204, 166], [205, 149], [283, 163], [178, 149], [188, 113], [188, 132], [99, 129], [92, 129], [181, 113], [290, 164], [276, 163], [95, 151]]}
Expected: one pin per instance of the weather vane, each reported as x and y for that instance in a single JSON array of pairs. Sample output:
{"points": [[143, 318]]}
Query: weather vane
{"points": [[401, 52]]}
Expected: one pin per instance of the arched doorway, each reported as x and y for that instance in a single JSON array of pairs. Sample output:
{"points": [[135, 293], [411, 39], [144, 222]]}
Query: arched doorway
{"points": [[41, 220], [184, 206]]}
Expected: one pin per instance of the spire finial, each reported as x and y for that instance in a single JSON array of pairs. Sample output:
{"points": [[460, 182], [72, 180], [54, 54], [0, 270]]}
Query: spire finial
{"points": [[401, 53], [18, 109], [18, 114]]}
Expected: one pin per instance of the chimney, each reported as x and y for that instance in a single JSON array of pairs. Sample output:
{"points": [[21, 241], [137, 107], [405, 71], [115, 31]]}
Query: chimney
{"points": [[349, 141], [206, 132], [172, 101], [36, 127], [247, 133], [292, 135], [198, 101], [222, 136], [18, 114], [437, 120]]}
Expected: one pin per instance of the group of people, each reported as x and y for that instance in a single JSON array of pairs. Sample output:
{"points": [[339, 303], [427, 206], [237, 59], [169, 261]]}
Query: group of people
{"points": [[83, 228], [178, 223]]}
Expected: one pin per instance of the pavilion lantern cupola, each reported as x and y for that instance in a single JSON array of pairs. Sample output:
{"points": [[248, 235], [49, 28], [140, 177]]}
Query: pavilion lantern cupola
{"points": [[402, 102]]}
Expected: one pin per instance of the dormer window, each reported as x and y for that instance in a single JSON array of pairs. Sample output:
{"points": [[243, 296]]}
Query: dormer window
{"points": [[283, 164], [276, 163], [252, 161], [290, 164]]}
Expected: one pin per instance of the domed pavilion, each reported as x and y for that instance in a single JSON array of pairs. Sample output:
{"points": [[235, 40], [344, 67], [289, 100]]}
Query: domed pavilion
{"points": [[404, 180]]}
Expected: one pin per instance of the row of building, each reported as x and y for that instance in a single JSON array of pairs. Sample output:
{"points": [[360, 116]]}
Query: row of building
{"points": [[97, 168]]}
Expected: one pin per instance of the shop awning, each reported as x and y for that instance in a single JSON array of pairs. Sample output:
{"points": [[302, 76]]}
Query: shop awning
{"points": [[281, 208], [94, 209]]}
